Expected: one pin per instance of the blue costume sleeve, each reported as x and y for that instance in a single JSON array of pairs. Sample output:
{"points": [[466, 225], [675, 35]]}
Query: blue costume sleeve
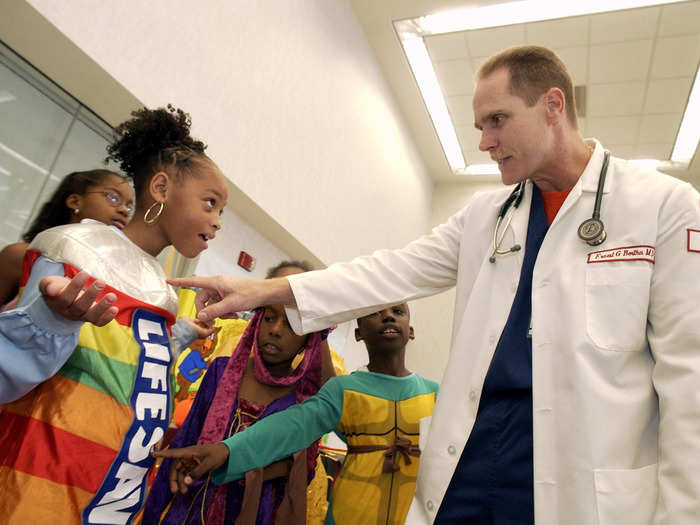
{"points": [[34, 342], [183, 336], [280, 435]]}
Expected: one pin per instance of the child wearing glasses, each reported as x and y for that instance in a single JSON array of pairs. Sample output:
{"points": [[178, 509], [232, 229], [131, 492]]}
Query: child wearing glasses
{"points": [[101, 195]]}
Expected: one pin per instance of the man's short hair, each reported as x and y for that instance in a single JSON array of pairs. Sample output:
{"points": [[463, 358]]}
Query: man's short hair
{"points": [[533, 71]]}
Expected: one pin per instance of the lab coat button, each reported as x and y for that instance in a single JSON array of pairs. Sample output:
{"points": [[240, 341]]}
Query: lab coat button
{"points": [[514, 287], [472, 395], [451, 450], [492, 339], [430, 505]]}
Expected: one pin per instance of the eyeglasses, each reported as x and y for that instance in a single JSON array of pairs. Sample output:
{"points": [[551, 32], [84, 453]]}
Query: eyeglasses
{"points": [[115, 199]]}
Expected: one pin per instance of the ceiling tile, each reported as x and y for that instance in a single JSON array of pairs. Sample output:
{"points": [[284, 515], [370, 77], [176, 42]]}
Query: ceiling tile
{"points": [[476, 157], [613, 130], [623, 98], [567, 32], [455, 77], [667, 95], [659, 128], [630, 24], [676, 56], [469, 137], [653, 151], [476, 63], [619, 62], [460, 108], [576, 60], [624, 151], [486, 42], [446, 47], [680, 19]]}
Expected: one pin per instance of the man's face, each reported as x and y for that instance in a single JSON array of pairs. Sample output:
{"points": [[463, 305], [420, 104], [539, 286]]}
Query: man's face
{"points": [[515, 135]]}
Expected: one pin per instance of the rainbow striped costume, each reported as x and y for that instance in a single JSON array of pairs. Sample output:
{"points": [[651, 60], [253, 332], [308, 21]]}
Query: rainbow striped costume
{"points": [[76, 448]]}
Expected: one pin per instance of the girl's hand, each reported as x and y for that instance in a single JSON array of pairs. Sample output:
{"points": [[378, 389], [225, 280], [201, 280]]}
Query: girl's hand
{"points": [[67, 298], [192, 463], [201, 328], [223, 296]]}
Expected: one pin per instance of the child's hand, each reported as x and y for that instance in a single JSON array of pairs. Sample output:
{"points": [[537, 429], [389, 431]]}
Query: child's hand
{"points": [[201, 328], [192, 463], [67, 298]]}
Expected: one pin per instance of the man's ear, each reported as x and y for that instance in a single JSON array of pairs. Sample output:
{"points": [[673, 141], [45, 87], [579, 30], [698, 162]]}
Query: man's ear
{"points": [[555, 104], [159, 185], [411, 334], [358, 337], [74, 201]]}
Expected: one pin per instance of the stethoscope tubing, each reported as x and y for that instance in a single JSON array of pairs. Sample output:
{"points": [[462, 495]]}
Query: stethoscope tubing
{"points": [[513, 201]]}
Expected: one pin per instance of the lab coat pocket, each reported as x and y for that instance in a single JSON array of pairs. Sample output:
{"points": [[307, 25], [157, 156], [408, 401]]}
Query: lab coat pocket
{"points": [[616, 305], [626, 495]]}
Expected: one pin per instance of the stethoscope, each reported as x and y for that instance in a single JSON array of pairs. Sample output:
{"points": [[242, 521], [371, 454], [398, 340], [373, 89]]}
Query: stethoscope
{"points": [[591, 231]]}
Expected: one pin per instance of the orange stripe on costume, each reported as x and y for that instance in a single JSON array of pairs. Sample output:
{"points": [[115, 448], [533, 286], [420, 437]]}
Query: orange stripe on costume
{"points": [[19, 504], [89, 413], [34, 442]]}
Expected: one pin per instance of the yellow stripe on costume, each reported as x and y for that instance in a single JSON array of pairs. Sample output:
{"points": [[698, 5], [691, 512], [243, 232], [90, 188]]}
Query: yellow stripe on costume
{"points": [[113, 340]]}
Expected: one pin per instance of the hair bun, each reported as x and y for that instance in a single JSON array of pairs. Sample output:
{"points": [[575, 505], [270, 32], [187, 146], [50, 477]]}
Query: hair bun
{"points": [[139, 141]]}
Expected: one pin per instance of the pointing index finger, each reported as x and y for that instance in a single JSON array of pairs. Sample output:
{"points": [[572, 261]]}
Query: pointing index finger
{"points": [[193, 281]]}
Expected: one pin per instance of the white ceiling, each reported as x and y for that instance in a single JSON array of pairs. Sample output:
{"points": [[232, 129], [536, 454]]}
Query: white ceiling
{"points": [[637, 65]]}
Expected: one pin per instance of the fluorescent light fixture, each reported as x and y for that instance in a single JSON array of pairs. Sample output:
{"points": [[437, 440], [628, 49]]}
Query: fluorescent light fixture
{"points": [[522, 12], [6, 96], [490, 168], [689, 132], [424, 73], [22, 158], [412, 31]]}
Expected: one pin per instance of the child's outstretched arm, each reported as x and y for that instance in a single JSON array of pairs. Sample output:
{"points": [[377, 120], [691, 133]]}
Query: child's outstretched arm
{"points": [[280, 435], [39, 336], [192, 463], [68, 298], [271, 439]]}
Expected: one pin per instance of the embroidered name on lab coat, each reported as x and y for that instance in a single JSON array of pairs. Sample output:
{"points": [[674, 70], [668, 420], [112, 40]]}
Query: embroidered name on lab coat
{"points": [[693, 240], [626, 253]]}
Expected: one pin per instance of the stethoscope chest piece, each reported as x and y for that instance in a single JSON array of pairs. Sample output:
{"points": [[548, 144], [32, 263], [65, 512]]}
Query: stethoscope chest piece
{"points": [[592, 231]]}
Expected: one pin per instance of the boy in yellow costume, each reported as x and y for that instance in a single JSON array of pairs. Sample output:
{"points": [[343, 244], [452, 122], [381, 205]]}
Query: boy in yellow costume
{"points": [[376, 411]]}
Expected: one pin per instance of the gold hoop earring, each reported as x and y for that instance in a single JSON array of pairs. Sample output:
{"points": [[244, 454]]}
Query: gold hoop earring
{"points": [[149, 210]]}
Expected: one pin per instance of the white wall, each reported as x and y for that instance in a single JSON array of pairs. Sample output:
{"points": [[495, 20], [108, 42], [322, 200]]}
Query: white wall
{"points": [[433, 316], [290, 99], [235, 235]]}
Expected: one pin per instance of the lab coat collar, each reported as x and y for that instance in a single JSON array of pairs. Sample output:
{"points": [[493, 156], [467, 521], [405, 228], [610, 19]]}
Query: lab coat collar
{"points": [[589, 177]]}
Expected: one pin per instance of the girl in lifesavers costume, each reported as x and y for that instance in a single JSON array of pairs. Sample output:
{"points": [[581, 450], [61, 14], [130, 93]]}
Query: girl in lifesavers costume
{"points": [[236, 392], [76, 447], [377, 412]]}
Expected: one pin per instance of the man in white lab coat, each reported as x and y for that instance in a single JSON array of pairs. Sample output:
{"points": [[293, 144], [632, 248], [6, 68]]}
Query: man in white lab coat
{"points": [[572, 392]]}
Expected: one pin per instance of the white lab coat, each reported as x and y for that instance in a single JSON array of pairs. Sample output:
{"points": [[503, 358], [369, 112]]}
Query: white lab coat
{"points": [[615, 344]]}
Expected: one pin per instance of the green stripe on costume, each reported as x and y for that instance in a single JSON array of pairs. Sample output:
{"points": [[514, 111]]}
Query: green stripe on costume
{"points": [[94, 369]]}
